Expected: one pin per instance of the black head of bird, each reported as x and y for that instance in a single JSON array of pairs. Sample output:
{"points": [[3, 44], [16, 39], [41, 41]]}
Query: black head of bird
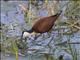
{"points": [[43, 25]]}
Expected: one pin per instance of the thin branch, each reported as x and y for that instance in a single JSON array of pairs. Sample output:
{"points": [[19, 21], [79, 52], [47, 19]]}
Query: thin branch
{"points": [[73, 25], [63, 43]]}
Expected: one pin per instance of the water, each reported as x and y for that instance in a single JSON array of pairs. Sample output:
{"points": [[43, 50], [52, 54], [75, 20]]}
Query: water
{"points": [[15, 22]]}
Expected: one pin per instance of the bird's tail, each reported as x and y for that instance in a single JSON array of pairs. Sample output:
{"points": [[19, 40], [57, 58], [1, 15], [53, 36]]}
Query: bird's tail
{"points": [[59, 13]]}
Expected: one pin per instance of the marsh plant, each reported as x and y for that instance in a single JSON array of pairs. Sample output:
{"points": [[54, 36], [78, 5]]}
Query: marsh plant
{"points": [[64, 38]]}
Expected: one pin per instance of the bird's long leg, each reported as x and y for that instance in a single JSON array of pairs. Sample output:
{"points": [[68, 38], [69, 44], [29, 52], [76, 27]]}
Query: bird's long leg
{"points": [[25, 39], [36, 36], [49, 33], [50, 41], [43, 36]]}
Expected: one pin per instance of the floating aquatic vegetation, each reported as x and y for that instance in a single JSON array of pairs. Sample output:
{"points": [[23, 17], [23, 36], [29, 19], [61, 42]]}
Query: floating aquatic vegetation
{"points": [[45, 45]]}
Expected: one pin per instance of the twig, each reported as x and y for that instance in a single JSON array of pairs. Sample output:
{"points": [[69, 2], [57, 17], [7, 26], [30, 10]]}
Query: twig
{"points": [[73, 25], [67, 43], [23, 7], [73, 43]]}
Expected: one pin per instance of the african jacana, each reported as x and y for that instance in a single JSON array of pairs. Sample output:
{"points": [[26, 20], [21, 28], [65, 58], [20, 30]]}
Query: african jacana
{"points": [[41, 26]]}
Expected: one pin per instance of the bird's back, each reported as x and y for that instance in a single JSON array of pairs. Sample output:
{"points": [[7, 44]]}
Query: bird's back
{"points": [[45, 24]]}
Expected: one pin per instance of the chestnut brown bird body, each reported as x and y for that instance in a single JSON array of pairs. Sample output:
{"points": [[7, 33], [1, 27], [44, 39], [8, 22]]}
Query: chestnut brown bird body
{"points": [[43, 25]]}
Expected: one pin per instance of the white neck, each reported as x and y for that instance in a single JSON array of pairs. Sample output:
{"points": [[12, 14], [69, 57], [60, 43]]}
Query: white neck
{"points": [[26, 34]]}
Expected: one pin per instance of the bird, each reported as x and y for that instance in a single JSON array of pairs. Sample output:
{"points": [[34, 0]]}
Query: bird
{"points": [[42, 25]]}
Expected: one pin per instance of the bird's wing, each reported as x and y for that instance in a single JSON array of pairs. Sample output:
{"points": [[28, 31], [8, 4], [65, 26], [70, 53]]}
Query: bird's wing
{"points": [[43, 25]]}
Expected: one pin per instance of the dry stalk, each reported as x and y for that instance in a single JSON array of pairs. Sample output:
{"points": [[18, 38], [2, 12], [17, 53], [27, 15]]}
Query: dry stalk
{"points": [[73, 25]]}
